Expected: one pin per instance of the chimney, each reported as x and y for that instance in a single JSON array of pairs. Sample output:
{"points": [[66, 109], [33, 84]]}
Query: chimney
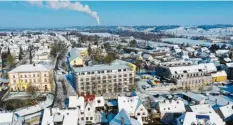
{"points": [[122, 121], [51, 113]]}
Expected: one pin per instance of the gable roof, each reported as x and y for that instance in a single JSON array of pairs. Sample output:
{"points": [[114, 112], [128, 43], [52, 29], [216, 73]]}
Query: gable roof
{"points": [[74, 53], [227, 111], [128, 103], [30, 68], [117, 120]]}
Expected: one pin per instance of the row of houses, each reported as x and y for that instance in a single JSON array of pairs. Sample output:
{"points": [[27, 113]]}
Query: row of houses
{"points": [[91, 110]]}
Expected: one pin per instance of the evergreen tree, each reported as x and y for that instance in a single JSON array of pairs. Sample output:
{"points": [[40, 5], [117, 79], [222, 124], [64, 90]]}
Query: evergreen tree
{"points": [[89, 49], [20, 53], [8, 51], [10, 60]]}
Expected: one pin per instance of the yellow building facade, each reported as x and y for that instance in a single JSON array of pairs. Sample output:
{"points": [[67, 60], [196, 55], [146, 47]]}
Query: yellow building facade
{"points": [[24, 76], [77, 62], [220, 76]]}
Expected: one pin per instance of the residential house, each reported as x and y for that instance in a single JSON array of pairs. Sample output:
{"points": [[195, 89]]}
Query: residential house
{"points": [[192, 118], [55, 116], [194, 98], [75, 58], [133, 106], [170, 109], [9, 119], [225, 112]]}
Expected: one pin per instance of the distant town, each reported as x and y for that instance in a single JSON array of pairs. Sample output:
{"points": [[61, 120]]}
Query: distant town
{"points": [[117, 75]]}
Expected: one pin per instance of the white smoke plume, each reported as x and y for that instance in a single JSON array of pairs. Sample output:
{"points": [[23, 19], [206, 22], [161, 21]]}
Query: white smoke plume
{"points": [[75, 6]]}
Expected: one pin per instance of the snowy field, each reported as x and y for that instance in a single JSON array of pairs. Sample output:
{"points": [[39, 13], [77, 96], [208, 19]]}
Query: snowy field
{"points": [[189, 41], [98, 34]]}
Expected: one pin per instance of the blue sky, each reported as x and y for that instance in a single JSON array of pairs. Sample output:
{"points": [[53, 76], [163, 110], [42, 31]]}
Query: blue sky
{"points": [[22, 14]]}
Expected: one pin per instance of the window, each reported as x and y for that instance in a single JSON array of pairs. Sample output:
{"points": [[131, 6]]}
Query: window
{"points": [[13, 76], [34, 75], [38, 75], [45, 80], [34, 80], [138, 113], [87, 118], [25, 76], [82, 118], [91, 118], [26, 80], [143, 113], [14, 81], [44, 75], [88, 109]]}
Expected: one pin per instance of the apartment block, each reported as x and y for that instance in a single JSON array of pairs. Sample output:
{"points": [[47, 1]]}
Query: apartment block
{"points": [[101, 79], [193, 76]]}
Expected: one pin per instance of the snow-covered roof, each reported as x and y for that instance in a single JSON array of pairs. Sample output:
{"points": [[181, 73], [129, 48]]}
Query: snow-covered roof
{"points": [[194, 96], [219, 73], [100, 67], [226, 110], [190, 118], [74, 53], [130, 104], [221, 51], [66, 116], [75, 101], [202, 109], [229, 64], [122, 118], [98, 101], [6, 118], [171, 106], [208, 67], [30, 68]]}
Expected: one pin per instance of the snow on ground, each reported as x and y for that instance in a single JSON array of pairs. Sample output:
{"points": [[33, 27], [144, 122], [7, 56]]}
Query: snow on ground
{"points": [[36, 108], [189, 41], [193, 31], [98, 34]]}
